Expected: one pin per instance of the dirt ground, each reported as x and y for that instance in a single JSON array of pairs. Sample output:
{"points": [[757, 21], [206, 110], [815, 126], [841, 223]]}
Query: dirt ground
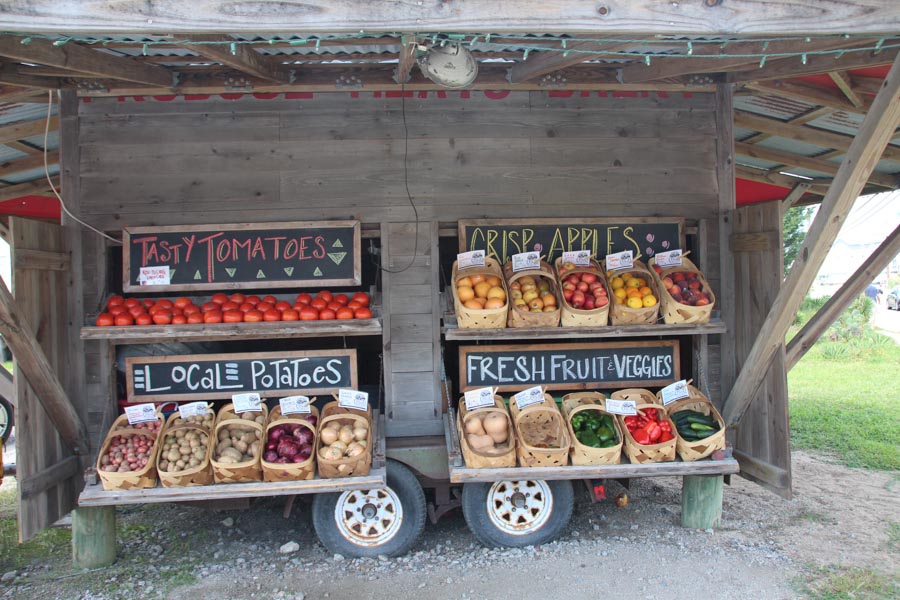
{"points": [[767, 547]]}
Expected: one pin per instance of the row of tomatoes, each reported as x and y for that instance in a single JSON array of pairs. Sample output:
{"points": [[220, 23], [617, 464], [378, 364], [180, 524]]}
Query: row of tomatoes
{"points": [[236, 308]]}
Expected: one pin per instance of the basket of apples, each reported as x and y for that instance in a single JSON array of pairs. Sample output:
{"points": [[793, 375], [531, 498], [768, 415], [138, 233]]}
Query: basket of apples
{"points": [[688, 297], [534, 297], [584, 293]]}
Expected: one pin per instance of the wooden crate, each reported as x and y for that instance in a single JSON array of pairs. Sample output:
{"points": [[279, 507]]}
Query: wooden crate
{"points": [[290, 471], [690, 451], [201, 474], [485, 318], [674, 312], [538, 427], [348, 466], [580, 454], [483, 459], [577, 317], [623, 315], [145, 477], [519, 318], [244, 471]]}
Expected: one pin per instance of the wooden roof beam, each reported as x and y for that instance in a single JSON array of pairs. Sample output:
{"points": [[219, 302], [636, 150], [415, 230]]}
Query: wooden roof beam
{"points": [[405, 62], [38, 186], [815, 64], [244, 58], [33, 161], [806, 92], [542, 62], [11, 75], [27, 129], [873, 136], [81, 59], [842, 80]]}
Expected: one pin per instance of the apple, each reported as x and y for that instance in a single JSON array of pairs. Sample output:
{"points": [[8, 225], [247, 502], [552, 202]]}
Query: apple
{"points": [[588, 303], [601, 302], [701, 302], [568, 266], [569, 286], [695, 285], [529, 295], [536, 304], [678, 277], [588, 277], [657, 268], [582, 286], [578, 299], [667, 282], [567, 294]]}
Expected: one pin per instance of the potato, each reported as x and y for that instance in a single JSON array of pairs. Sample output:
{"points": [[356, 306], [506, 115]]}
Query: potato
{"points": [[228, 460], [224, 434], [260, 419], [226, 443], [241, 446], [254, 449], [249, 416], [233, 453]]}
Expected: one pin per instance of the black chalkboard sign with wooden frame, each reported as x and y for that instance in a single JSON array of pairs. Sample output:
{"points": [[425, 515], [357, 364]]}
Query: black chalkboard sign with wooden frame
{"points": [[603, 365], [255, 255]]}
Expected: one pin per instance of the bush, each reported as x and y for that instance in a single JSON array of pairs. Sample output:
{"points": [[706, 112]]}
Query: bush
{"points": [[854, 322]]}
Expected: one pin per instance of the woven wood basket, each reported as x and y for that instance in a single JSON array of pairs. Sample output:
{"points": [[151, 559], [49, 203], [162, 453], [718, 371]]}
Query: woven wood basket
{"points": [[537, 427], [691, 451], [580, 454], [485, 318], [519, 318], [486, 459], [577, 317], [623, 315], [245, 471], [639, 395], [349, 466], [640, 454], [143, 478], [674, 312], [201, 474], [290, 471]]}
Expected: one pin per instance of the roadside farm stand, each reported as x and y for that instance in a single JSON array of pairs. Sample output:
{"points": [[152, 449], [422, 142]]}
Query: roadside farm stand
{"points": [[643, 126]]}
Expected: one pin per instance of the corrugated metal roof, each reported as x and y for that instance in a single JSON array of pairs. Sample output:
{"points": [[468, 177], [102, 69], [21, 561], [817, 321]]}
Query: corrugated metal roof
{"points": [[749, 161], [31, 174], [7, 153], [38, 140], [792, 146], [13, 113], [773, 106]]}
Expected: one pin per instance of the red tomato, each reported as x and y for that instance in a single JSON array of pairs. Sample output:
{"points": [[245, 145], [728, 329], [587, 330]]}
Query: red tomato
{"points": [[176, 311], [363, 313], [263, 307], [124, 319], [318, 303], [342, 299], [354, 304], [361, 297], [270, 300], [326, 315], [282, 305], [118, 309], [309, 313], [214, 316], [253, 316], [191, 309], [325, 295], [289, 314], [334, 305], [219, 298], [148, 302], [272, 315], [195, 318], [246, 306], [136, 310], [344, 313], [237, 297], [254, 300], [105, 320], [303, 299], [165, 303], [179, 320], [129, 302], [162, 317], [233, 316], [182, 302], [209, 306], [114, 301], [229, 305], [143, 319]]}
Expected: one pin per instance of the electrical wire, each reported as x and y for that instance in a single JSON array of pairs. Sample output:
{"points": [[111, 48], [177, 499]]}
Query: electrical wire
{"points": [[50, 180]]}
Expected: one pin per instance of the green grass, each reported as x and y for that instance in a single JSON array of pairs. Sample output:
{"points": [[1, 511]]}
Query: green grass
{"points": [[844, 583], [8, 365], [52, 542]]}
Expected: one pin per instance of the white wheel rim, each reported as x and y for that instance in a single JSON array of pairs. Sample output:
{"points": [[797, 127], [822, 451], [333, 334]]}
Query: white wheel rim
{"points": [[369, 517], [4, 420], [519, 507]]}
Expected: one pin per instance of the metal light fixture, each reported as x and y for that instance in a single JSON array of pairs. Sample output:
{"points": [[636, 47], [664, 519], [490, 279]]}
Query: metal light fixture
{"points": [[450, 65]]}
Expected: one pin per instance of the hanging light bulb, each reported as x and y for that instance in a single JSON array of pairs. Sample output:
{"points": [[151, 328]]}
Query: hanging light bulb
{"points": [[450, 65]]}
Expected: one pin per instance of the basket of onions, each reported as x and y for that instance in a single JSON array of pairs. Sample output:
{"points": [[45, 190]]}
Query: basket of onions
{"points": [[345, 444], [127, 459], [290, 442]]}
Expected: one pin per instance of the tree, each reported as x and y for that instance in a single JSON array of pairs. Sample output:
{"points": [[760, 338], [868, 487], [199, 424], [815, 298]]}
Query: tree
{"points": [[794, 227]]}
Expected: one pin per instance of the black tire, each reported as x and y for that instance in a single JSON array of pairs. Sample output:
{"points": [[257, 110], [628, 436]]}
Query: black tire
{"points": [[7, 420], [397, 540], [489, 533]]}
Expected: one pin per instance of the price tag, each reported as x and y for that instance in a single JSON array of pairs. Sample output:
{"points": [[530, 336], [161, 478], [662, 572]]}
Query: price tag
{"points": [[479, 398], [141, 413], [295, 405], [464, 260], [672, 258], [673, 392], [620, 260], [192, 409], [579, 258], [533, 395], [154, 276], [353, 399], [246, 403], [621, 407], [526, 260]]}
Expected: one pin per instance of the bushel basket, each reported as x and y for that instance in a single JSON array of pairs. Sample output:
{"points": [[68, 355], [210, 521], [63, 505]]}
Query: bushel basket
{"points": [[579, 317], [520, 318], [542, 438], [644, 453], [495, 457], [240, 471], [621, 314], [143, 478], [582, 454], [674, 312], [691, 451], [196, 475], [293, 471], [475, 318], [346, 466]]}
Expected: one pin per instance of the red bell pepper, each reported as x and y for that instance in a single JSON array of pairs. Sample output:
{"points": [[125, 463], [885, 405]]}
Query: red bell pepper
{"points": [[653, 431], [651, 413], [665, 426], [665, 436], [641, 436]]}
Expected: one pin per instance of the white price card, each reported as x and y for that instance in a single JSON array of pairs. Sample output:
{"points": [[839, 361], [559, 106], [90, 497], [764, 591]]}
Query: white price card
{"points": [[353, 399], [533, 395], [141, 413], [154, 276], [479, 398], [579, 258], [672, 258], [246, 403], [621, 407], [192, 409], [295, 405], [673, 392], [526, 260], [464, 260], [620, 260]]}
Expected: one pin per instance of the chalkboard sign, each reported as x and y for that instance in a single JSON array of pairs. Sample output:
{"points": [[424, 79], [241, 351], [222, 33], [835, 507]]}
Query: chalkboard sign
{"points": [[259, 255], [570, 366], [218, 376], [551, 237]]}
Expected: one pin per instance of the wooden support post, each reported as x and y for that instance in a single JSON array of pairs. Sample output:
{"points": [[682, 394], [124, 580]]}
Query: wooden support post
{"points": [[793, 197], [701, 501], [828, 314], [94, 536], [868, 145]]}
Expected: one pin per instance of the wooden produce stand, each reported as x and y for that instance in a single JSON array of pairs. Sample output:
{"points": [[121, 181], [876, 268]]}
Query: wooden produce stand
{"points": [[374, 180]]}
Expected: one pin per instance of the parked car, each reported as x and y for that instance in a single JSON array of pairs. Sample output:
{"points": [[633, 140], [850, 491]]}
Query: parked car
{"points": [[893, 299]]}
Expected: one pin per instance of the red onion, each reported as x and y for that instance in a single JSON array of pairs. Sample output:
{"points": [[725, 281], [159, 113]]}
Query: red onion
{"points": [[275, 433], [271, 446], [270, 456], [299, 459], [287, 448], [303, 435], [305, 451], [313, 419]]}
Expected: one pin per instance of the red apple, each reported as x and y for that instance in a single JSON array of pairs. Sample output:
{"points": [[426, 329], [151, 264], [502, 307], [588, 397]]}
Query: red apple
{"points": [[701, 302], [601, 301], [567, 294], [588, 303], [588, 277], [678, 277], [657, 268], [582, 286], [695, 285], [667, 282], [578, 299]]}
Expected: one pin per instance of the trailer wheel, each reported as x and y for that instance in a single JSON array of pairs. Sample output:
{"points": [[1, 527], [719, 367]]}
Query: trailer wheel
{"points": [[372, 522], [6, 420], [517, 513]]}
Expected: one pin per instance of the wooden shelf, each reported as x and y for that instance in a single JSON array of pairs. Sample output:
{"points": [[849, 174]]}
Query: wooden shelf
{"points": [[95, 495], [150, 334], [459, 473], [452, 332]]}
